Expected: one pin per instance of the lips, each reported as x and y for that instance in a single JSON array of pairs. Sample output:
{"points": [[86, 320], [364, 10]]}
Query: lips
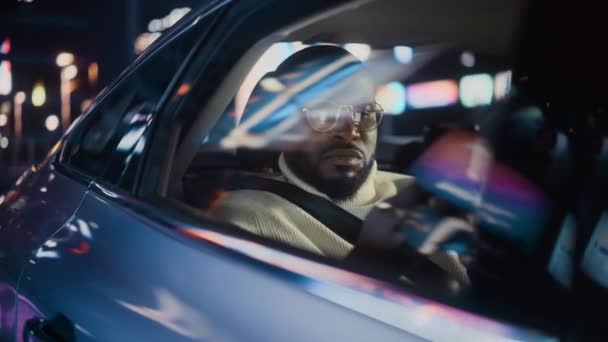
{"points": [[343, 153], [344, 156]]}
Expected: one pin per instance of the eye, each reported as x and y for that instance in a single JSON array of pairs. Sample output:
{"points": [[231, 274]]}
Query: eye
{"points": [[321, 117]]}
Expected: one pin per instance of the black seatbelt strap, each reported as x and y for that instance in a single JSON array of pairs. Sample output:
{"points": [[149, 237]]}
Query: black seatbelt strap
{"points": [[340, 221]]}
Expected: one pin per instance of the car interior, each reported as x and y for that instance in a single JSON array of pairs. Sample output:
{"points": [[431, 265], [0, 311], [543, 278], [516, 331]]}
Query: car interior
{"points": [[200, 166]]}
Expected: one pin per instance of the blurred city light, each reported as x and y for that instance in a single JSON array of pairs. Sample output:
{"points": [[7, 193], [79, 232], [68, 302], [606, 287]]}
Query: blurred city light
{"points": [[502, 84], [3, 120], [361, 51], [51, 123], [467, 59], [69, 72], [84, 106], [93, 73], [144, 40], [38, 94], [392, 98], [403, 54], [5, 107], [64, 59], [476, 90], [4, 142], [5, 47], [184, 89], [155, 25], [6, 78], [432, 94], [20, 97], [18, 114]]}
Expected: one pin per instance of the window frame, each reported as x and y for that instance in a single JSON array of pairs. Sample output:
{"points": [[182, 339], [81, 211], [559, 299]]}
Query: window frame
{"points": [[236, 32], [212, 8]]}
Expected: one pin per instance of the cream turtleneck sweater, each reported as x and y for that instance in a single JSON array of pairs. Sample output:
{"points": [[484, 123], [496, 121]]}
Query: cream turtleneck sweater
{"points": [[268, 215], [271, 216]]}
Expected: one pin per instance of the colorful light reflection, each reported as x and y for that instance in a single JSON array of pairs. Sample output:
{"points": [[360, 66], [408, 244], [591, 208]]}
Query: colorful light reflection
{"points": [[432, 94], [6, 78], [413, 314], [502, 84], [476, 90], [460, 168], [392, 98]]}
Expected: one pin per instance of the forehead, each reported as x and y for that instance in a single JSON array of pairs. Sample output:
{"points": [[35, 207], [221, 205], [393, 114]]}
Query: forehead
{"points": [[356, 90]]}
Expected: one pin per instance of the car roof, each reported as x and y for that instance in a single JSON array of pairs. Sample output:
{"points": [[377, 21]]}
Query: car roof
{"points": [[487, 26]]}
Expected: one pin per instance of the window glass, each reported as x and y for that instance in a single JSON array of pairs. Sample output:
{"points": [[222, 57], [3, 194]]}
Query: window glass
{"points": [[425, 164], [110, 142]]}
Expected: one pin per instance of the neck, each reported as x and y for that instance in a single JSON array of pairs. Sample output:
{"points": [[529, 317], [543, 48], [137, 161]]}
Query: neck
{"points": [[363, 194]]}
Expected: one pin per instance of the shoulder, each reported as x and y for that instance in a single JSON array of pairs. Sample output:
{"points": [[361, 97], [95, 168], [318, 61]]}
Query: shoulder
{"points": [[251, 210], [399, 180], [247, 200]]}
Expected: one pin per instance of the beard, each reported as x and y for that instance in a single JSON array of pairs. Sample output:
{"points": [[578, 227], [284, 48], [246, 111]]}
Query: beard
{"points": [[336, 188]]}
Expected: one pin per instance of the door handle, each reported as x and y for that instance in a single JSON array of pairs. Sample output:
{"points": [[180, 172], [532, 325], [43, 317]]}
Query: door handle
{"points": [[57, 329]]}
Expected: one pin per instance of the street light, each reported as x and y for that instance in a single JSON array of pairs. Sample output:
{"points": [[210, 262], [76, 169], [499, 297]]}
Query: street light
{"points": [[64, 59], [18, 113], [38, 94], [93, 73], [68, 73], [51, 123]]}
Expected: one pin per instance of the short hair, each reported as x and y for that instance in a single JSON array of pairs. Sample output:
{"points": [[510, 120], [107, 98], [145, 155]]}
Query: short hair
{"points": [[357, 83]]}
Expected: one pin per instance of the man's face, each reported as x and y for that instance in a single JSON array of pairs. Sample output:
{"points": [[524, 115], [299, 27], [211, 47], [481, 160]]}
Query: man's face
{"points": [[337, 161]]}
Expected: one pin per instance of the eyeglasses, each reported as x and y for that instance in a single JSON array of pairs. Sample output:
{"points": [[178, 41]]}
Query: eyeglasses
{"points": [[324, 117]]}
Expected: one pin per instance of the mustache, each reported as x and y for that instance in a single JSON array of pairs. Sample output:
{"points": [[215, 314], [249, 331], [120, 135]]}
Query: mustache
{"points": [[342, 145]]}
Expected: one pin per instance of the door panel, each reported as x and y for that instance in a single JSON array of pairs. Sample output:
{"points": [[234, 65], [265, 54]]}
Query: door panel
{"points": [[34, 209], [119, 277]]}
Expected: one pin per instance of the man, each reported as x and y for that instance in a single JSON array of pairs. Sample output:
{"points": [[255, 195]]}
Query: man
{"points": [[336, 162]]}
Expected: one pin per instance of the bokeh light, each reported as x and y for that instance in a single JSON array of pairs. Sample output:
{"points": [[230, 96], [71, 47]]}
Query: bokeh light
{"points": [[432, 94], [38, 94], [502, 84], [69, 72], [403, 54], [64, 59], [20, 97], [476, 90], [6, 78], [51, 123], [467, 59], [392, 98], [5, 47], [93, 72]]}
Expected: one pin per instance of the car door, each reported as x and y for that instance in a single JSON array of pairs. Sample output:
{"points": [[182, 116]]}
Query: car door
{"points": [[105, 145], [30, 212]]}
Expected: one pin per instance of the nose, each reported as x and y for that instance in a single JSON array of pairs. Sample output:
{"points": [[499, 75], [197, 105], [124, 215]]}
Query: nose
{"points": [[347, 130]]}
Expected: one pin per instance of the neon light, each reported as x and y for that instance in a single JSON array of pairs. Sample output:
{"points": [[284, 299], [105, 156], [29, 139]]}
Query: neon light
{"points": [[432, 94], [502, 84], [392, 98], [476, 90], [6, 78]]}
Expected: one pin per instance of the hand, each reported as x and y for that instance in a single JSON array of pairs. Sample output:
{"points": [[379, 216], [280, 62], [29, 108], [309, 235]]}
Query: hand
{"points": [[425, 225], [378, 231]]}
